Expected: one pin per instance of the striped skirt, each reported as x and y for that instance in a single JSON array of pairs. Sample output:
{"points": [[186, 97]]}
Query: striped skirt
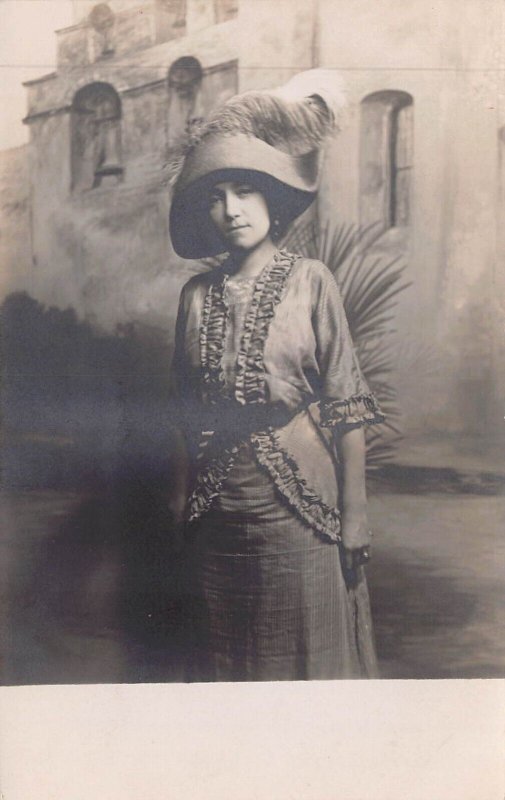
{"points": [[268, 597]]}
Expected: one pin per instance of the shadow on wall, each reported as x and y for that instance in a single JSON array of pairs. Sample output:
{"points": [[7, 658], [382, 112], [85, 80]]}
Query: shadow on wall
{"points": [[79, 407]]}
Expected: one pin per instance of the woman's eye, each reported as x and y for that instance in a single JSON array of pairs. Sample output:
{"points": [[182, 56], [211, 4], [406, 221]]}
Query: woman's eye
{"points": [[213, 199], [243, 190]]}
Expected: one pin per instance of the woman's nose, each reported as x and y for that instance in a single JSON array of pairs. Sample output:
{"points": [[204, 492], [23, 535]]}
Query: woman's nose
{"points": [[231, 205]]}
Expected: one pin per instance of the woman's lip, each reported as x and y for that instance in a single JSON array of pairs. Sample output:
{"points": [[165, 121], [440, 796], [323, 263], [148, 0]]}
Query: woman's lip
{"points": [[236, 228]]}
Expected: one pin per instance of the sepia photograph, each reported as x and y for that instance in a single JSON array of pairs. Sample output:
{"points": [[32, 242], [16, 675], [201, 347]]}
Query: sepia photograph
{"points": [[252, 341]]}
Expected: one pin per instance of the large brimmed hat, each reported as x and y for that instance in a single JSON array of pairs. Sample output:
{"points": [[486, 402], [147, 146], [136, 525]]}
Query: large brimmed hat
{"points": [[272, 139]]}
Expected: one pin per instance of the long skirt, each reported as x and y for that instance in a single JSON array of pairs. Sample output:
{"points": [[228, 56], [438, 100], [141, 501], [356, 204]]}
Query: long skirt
{"points": [[270, 599]]}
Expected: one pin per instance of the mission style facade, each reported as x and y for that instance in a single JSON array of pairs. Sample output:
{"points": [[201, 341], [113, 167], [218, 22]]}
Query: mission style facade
{"points": [[419, 156]]}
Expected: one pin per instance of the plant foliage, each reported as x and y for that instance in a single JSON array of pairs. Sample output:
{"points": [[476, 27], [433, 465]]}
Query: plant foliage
{"points": [[370, 282]]}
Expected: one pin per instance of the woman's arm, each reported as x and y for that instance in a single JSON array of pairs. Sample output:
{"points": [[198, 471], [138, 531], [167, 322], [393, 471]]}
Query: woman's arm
{"points": [[355, 530], [179, 488], [347, 406]]}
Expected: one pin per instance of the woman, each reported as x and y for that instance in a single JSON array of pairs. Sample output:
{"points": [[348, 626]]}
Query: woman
{"points": [[273, 404]]}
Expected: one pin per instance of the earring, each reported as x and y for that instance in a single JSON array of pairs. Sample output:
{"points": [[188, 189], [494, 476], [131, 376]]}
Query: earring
{"points": [[275, 229]]}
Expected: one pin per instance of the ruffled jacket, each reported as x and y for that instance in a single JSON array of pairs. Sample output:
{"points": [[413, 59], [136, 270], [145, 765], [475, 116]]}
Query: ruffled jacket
{"points": [[296, 378]]}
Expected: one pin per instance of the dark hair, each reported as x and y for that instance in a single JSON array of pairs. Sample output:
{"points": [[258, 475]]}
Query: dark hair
{"points": [[277, 210]]}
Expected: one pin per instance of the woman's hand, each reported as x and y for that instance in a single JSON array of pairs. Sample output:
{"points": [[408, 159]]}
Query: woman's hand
{"points": [[356, 538]]}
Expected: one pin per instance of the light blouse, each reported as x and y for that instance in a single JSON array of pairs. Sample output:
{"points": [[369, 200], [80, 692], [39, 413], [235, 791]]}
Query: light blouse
{"points": [[271, 364]]}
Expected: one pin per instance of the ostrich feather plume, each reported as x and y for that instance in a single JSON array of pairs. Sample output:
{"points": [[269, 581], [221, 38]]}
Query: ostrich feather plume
{"points": [[295, 118]]}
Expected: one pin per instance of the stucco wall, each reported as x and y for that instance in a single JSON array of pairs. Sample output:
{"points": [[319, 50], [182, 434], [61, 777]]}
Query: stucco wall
{"points": [[446, 55], [107, 253], [15, 244]]}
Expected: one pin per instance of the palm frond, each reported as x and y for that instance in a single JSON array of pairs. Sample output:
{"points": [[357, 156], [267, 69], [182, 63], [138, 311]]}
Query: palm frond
{"points": [[370, 284]]}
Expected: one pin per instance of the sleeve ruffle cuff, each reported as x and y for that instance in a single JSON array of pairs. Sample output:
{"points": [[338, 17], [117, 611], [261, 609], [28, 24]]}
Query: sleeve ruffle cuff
{"points": [[360, 409]]}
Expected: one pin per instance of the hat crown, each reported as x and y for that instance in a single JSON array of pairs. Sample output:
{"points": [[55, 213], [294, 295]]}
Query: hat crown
{"points": [[239, 151]]}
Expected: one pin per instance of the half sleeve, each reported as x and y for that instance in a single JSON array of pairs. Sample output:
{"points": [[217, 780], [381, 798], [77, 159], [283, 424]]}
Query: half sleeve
{"points": [[345, 398]]}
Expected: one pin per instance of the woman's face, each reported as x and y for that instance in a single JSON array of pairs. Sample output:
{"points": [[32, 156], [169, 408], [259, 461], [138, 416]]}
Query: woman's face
{"points": [[240, 214]]}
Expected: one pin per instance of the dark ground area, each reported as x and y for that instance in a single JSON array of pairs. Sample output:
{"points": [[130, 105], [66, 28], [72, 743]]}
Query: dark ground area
{"points": [[92, 589]]}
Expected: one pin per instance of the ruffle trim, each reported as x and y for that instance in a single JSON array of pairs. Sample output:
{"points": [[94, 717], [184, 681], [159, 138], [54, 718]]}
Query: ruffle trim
{"points": [[360, 409], [268, 291], [285, 474], [250, 379], [209, 482], [212, 333]]}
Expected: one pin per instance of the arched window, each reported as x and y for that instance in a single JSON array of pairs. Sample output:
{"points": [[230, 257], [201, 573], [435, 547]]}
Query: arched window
{"points": [[184, 106], [386, 159], [96, 137]]}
